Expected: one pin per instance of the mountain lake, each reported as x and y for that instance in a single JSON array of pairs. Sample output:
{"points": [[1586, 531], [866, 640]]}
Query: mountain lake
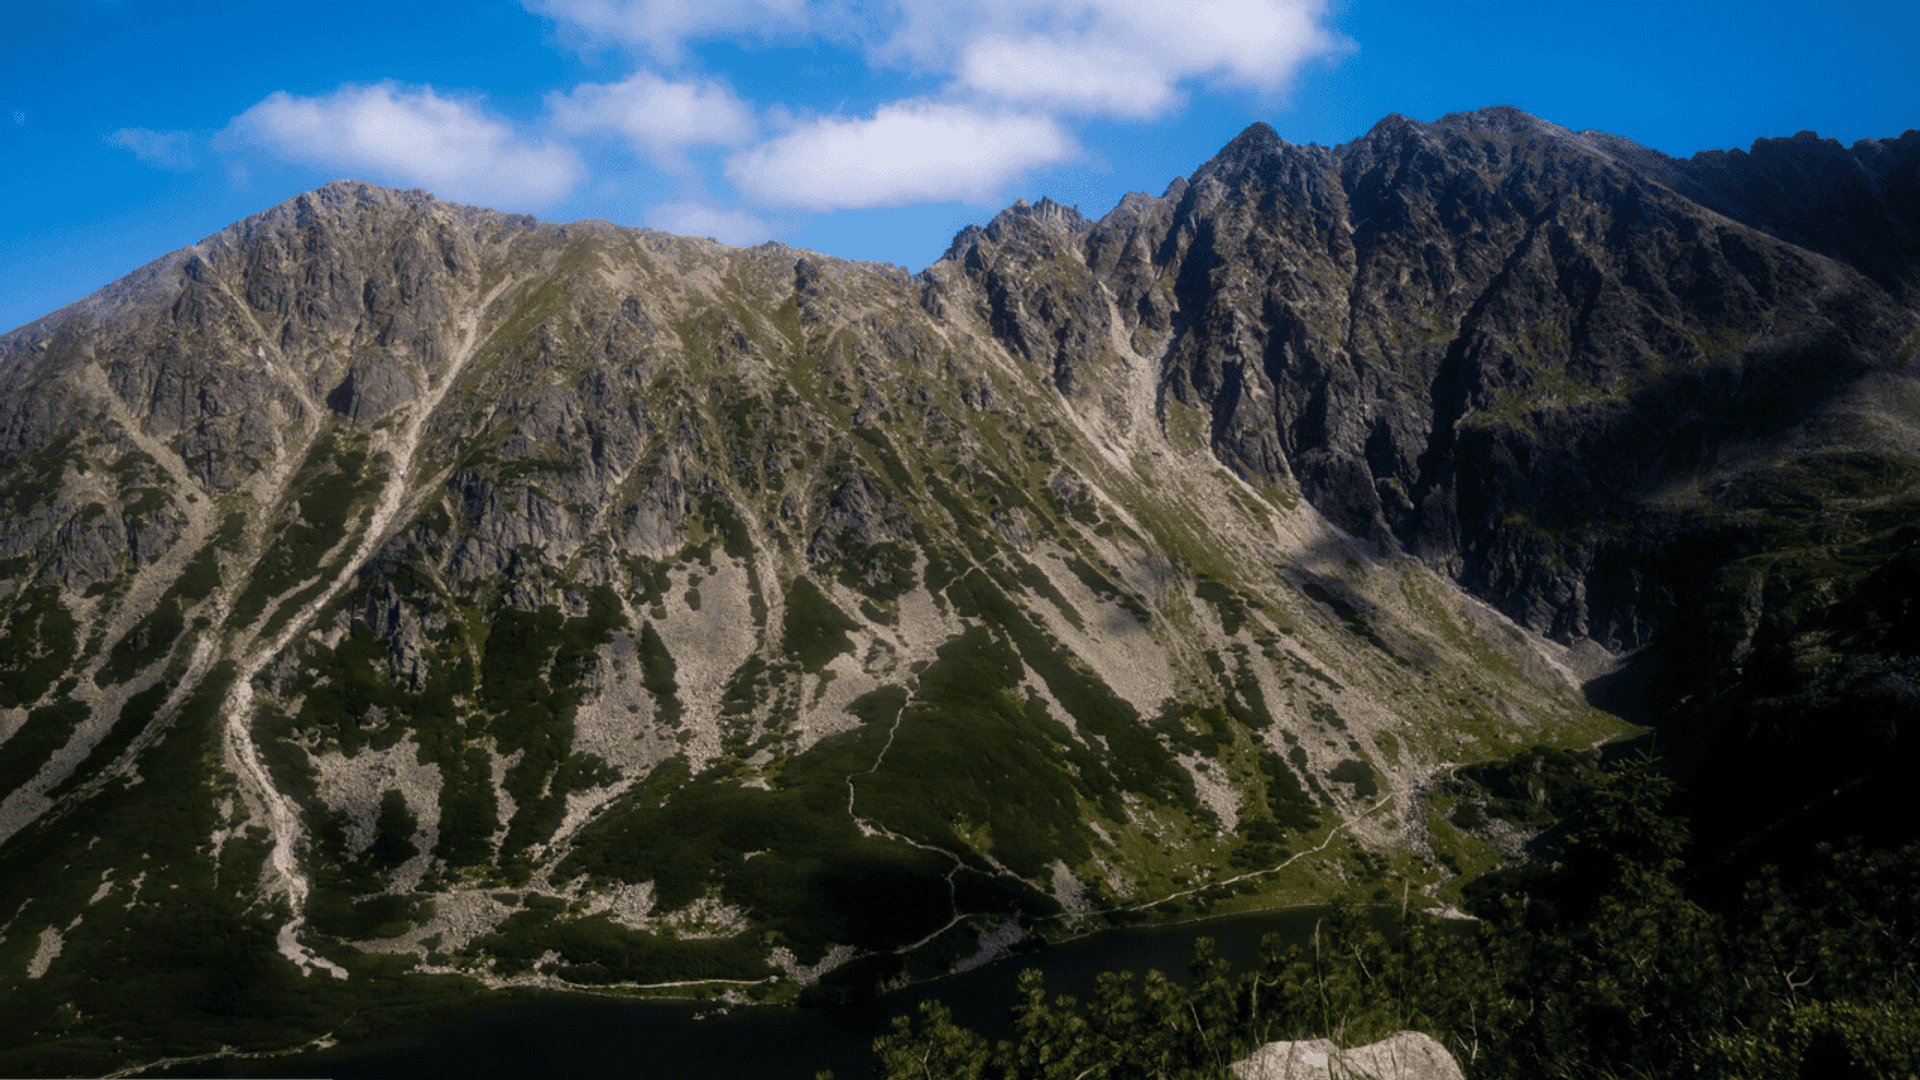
{"points": [[589, 1037]]}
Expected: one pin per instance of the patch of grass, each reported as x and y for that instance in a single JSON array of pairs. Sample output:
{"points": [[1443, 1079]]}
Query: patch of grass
{"points": [[657, 674], [1324, 713], [149, 640], [969, 764], [1134, 760], [194, 966], [530, 682], [1226, 603], [47, 729], [36, 647], [597, 951], [1526, 788], [200, 576], [882, 571], [332, 483], [812, 879], [813, 630], [1287, 802], [1359, 774], [720, 515]]}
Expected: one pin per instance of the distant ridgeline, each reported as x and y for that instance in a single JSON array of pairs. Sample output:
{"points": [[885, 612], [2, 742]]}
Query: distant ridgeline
{"points": [[403, 600]]}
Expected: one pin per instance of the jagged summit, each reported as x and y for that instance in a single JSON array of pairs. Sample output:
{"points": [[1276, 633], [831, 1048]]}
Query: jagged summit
{"points": [[1045, 214], [1258, 139], [1502, 119]]}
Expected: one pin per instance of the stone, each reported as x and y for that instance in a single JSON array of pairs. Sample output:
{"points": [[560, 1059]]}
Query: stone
{"points": [[1405, 1055]]}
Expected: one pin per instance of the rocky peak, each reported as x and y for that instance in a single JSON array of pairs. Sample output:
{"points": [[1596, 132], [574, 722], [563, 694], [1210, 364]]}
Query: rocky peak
{"points": [[1016, 221], [1289, 266], [1499, 120], [1256, 141], [1257, 159]]}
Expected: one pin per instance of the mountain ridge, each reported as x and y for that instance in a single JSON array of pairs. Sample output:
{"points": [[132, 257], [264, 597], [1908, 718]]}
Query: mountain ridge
{"points": [[753, 618]]}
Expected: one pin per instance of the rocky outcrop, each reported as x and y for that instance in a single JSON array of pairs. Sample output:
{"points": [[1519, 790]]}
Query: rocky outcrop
{"points": [[1407, 1055], [1037, 292], [1486, 341]]}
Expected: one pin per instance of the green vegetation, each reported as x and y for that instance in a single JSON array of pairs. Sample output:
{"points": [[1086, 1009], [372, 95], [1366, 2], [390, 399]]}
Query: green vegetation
{"points": [[1599, 966], [814, 631], [530, 676], [192, 966], [1356, 621], [1231, 607], [522, 693], [969, 763], [332, 483], [657, 675], [596, 950], [1134, 760], [1359, 774], [139, 711], [47, 729], [33, 479], [790, 856], [36, 647], [148, 641]]}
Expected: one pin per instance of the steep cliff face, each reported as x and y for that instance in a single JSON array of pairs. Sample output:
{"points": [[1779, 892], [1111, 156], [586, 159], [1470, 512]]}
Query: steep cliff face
{"points": [[398, 588], [1501, 346]]}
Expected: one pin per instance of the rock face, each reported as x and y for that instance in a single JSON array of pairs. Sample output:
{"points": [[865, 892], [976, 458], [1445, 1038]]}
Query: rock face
{"points": [[1492, 342], [1406, 1055], [400, 557]]}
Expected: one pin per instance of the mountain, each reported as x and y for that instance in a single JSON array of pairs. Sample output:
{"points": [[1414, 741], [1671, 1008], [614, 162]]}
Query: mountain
{"points": [[405, 597]]}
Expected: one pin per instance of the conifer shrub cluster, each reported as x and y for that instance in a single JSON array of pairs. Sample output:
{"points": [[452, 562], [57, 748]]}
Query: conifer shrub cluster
{"points": [[1592, 962]]}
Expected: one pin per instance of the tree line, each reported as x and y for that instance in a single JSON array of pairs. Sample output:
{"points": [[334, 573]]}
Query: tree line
{"points": [[1591, 960]]}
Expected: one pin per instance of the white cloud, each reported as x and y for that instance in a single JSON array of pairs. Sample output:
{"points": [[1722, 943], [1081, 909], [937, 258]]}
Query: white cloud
{"points": [[909, 152], [170, 150], [1081, 79], [663, 26], [1014, 71], [447, 145], [1107, 57], [660, 118], [735, 227], [1126, 57]]}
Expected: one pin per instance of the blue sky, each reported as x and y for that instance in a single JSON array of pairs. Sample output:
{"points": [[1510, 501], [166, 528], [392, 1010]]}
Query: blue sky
{"points": [[869, 129]]}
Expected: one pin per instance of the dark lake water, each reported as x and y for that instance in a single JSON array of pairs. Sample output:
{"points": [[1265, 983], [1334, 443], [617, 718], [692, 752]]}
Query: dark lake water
{"points": [[577, 1036]]}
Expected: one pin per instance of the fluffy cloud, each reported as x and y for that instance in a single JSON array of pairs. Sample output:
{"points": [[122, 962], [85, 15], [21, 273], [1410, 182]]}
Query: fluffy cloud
{"points": [[1014, 67], [1070, 78], [1127, 57], [736, 227], [660, 118], [909, 152], [663, 26], [447, 145], [1106, 57], [171, 150]]}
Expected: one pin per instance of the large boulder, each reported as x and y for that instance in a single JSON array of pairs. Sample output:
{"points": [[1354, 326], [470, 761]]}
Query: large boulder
{"points": [[1406, 1055]]}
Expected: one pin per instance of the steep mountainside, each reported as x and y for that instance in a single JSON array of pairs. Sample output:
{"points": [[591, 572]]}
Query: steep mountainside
{"points": [[400, 591]]}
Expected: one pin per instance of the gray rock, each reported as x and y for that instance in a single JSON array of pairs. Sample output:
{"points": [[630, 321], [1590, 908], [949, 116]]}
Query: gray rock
{"points": [[1406, 1055]]}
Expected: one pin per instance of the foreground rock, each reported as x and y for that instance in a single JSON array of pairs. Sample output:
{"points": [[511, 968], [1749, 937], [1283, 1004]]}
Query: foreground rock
{"points": [[1406, 1055]]}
